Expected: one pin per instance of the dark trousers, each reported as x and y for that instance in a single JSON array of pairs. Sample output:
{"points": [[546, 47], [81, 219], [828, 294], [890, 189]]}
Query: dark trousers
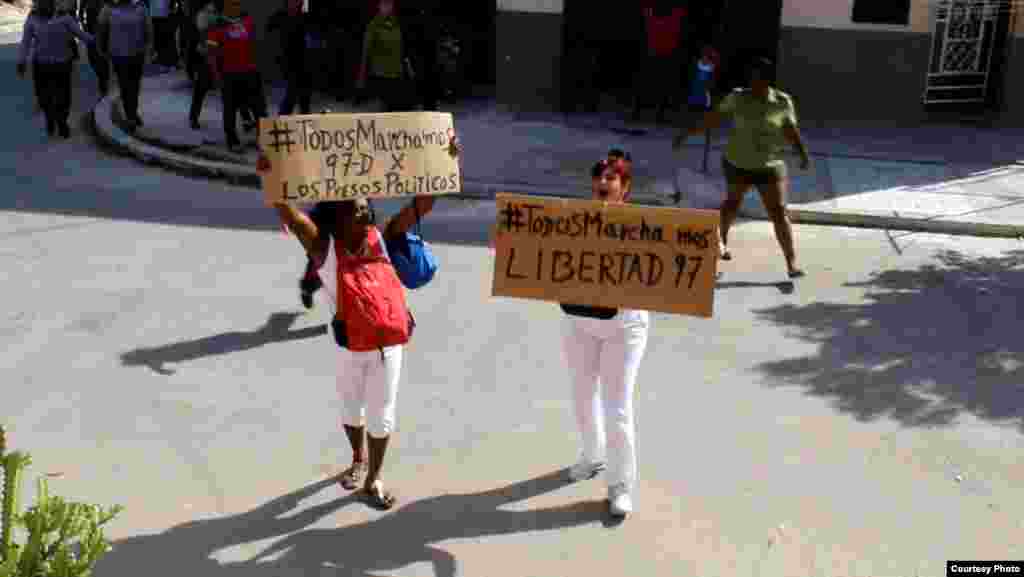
{"points": [[55, 90], [394, 92], [241, 90], [129, 78], [299, 90], [163, 31], [37, 84], [101, 68], [200, 88], [428, 82]]}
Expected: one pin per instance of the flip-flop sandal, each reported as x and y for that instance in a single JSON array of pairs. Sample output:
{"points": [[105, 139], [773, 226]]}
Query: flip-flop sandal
{"points": [[378, 497], [353, 477]]}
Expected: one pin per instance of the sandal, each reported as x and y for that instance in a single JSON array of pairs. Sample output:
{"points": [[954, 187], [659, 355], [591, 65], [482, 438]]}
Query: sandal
{"points": [[353, 477], [378, 497], [796, 273]]}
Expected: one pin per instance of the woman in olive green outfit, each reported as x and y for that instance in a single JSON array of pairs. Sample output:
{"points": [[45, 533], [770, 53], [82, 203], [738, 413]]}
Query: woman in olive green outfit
{"points": [[764, 121], [383, 70]]}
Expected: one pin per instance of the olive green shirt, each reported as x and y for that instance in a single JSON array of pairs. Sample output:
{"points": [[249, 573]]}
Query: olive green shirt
{"points": [[383, 47], [757, 138]]}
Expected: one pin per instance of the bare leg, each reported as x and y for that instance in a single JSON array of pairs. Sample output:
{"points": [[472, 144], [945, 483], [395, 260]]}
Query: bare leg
{"points": [[773, 197], [737, 189]]}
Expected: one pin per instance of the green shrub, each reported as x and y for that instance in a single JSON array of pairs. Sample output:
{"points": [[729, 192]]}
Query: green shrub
{"points": [[62, 538]]}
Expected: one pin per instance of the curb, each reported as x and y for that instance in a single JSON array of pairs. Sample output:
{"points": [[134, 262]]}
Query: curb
{"points": [[109, 133], [878, 220]]}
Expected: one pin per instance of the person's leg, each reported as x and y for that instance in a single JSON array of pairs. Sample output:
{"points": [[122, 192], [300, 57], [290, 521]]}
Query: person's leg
{"points": [[773, 196], [620, 363], [231, 93], [257, 99], [310, 282], [199, 90], [351, 384], [62, 76], [737, 186], [581, 354], [290, 94], [131, 85], [305, 86], [382, 380], [99, 66], [47, 94]]}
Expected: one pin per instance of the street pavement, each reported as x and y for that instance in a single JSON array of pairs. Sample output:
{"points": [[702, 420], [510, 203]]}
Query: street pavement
{"points": [[865, 421]]}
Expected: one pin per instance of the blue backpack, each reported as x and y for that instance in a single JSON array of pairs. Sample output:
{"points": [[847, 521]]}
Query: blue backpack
{"points": [[412, 258]]}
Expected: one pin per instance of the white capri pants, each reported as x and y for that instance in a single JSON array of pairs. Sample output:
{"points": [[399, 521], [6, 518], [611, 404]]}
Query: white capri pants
{"points": [[604, 358], [368, 387], [367, 384]]}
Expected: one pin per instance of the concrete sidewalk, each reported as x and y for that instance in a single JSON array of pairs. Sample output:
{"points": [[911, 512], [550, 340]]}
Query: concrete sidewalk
{"points": [[944, 179]]}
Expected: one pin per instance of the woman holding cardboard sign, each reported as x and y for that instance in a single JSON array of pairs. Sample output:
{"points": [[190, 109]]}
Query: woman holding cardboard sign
{"points": [[603, 348], [371, 325]]}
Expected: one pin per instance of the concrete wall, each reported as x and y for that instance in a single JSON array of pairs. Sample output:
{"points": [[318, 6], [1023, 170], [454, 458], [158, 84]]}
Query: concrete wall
{"points": [[529, 54], [839, 69]]}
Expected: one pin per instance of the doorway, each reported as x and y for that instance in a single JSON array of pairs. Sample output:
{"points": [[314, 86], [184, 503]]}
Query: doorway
{"points": [[604, 51]]}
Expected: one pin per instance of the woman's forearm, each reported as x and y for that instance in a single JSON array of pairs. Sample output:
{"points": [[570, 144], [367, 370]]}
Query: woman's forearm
{"points": [[301, 226]]}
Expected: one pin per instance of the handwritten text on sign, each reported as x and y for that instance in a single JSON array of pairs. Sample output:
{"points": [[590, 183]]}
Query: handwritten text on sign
{"points": [[587, 252], [322, 157]]}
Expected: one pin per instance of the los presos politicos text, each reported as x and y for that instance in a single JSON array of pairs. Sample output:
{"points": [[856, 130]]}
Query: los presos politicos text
{"points": [[530, 218], [393, 184], [607, 268]]}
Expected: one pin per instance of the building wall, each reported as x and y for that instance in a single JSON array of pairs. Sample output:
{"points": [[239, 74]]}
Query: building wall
{"points": [[839, 69], [529, 54]]}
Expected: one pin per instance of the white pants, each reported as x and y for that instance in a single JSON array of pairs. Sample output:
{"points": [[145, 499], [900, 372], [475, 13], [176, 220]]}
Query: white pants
{"points": [[368, 387], [603, 358]]}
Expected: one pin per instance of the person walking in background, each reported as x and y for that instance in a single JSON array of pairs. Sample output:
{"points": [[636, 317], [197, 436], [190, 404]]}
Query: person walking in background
{"points": [[703, 80], [203, 79], [89, 14], [425, 37], [765, 119], [234, 68], [383, 71], [126, 34], [297, 40], [49, 37], [664, 26]]}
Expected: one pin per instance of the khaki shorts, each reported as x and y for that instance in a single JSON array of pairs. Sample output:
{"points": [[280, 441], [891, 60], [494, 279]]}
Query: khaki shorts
{"points": [[759, 178]]}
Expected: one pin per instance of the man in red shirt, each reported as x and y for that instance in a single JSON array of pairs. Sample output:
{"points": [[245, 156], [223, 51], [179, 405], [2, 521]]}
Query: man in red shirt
{"points": [[664, 24], [233, 64]]}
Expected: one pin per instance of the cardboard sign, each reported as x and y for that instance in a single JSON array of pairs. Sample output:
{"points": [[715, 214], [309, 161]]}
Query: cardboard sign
{"points": [[320, 157], [587, 252]]}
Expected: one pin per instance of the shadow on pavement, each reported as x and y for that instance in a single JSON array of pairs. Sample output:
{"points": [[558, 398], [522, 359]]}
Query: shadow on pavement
{"points": [[410, 534], [276, 330], [925, 346], [785, 287]]}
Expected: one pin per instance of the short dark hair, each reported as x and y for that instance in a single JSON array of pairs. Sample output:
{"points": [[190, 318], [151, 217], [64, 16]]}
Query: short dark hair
{"points": [[619, 153]]}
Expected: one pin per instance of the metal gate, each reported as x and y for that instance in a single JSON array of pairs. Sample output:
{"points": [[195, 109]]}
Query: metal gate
{"points": [[962, 51]]}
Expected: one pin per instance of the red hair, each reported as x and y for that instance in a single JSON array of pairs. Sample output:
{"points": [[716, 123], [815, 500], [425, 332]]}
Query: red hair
{"points": [[620, 167]]}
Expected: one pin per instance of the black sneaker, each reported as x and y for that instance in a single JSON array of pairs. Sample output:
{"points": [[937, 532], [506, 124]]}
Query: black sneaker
{"points": [[51, 127], [307, 299], [65, 130]]}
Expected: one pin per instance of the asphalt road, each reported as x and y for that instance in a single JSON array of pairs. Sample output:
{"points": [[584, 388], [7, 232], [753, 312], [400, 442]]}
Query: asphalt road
{"points": [[867, 421]]}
